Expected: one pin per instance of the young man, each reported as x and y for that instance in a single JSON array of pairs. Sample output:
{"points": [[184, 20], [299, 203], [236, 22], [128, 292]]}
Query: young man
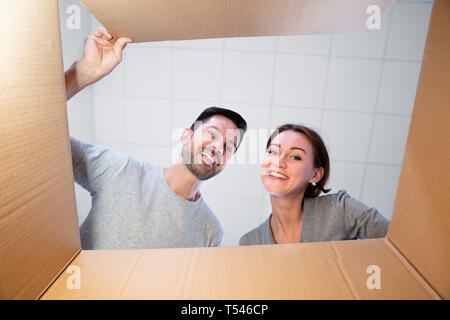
{"points": [[137, 205]]}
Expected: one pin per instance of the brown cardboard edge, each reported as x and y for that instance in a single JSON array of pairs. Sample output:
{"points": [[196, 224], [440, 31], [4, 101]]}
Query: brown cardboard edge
{"points": [[64, 267], [58, 275], [412, 269]]}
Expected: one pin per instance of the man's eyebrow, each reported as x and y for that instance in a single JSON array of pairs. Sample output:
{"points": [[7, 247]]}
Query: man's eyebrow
{"points": [[214, 127], [293, 148]]}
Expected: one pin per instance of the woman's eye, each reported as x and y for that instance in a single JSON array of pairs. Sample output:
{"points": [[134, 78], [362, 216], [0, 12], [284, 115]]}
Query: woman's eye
{"points": [[272, 152], [296, 158]]}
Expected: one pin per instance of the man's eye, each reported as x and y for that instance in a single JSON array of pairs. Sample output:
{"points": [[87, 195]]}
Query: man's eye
{"points": [[296, 158], [272, 152]]}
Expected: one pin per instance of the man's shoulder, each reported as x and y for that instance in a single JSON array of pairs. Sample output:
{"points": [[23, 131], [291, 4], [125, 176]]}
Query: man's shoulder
{"points": [[209, 214]]}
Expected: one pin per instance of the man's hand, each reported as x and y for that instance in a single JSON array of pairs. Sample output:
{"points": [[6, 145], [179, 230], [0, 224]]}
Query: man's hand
{"points": [[101, 55]]}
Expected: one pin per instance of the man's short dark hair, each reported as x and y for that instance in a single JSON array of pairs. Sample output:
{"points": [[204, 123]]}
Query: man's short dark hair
{"points": [[237, 119]]}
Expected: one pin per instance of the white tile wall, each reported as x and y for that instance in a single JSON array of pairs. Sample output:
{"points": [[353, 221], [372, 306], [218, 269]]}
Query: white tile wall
{"points": [[146, 121], [148, 71], [114, 83], [357, 90], [197, 74], [369, 44], [398, 87], [347, 134], [389, 139], [154, 154], [247, 77], [109, 115], [300, 80], [251, 44], [306, 44], [380, 187], [353, 84], [199, 44], [346, 176], [236, 219], [408, 30], [309, 117]]}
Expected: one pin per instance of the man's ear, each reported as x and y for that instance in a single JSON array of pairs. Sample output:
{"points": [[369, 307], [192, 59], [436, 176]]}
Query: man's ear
{"points": [[186, 135]]}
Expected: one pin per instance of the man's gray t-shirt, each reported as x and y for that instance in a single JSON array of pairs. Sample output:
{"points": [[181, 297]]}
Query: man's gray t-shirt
{"points": [[330, 217], [133, 207]]}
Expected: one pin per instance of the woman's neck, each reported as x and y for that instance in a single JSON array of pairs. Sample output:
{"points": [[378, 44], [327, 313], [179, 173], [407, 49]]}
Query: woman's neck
{"points": [[287, 217]]}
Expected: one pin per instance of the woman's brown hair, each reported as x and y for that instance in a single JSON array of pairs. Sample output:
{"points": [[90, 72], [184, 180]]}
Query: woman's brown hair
{"points": [[320, 155]]}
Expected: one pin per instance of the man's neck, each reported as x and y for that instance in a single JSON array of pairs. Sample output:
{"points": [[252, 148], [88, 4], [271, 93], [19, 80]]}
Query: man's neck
{"points": [[182, 181]]}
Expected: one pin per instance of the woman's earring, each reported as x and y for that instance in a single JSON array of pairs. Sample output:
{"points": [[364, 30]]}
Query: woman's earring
{"points": [[313, 183]]}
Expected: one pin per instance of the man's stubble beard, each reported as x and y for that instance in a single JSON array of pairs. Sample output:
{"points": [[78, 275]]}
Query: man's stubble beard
{"points": [[200, 170]]}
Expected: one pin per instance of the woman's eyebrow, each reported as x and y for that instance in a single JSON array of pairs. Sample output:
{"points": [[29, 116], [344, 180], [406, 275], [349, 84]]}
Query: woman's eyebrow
{"points": [[297, 148], [292, 148]]}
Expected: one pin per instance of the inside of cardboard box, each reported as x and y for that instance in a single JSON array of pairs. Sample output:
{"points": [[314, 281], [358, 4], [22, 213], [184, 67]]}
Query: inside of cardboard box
{"points": [[334, 270]]}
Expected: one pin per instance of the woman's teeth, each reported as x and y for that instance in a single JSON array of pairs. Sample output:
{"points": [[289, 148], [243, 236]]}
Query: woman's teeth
{"points": [[277, 175]]}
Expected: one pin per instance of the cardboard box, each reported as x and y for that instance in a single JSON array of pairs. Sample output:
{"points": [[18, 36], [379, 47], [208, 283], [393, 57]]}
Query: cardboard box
{"points": [[39, 236]]}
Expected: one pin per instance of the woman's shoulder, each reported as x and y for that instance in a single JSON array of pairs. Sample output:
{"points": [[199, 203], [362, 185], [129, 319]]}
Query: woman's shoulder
{"points": [[255, 236], [329, 199]]}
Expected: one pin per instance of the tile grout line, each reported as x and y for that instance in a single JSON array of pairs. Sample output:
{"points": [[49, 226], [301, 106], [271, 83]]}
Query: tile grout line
{"points": [[222, 73], [269, 125], [125, 104], [399, 115], [172, 76], [324, 98], [406, 60], [374, 113]]}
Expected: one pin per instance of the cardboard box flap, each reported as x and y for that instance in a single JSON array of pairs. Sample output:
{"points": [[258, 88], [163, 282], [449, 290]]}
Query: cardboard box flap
{"points": [[157, 20], [325, 270], [38, 220], [421, 220]]}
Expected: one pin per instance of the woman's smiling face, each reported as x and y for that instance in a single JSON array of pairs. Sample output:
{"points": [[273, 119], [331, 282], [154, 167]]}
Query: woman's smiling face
{"points": [[288, 165]]}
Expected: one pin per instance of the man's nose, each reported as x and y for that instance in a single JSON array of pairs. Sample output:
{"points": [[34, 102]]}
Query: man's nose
{"points": [[217, 146]]}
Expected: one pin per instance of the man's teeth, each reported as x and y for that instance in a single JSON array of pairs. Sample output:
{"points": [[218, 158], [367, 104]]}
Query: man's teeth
{"points": [[208, 156], [278, 175]]}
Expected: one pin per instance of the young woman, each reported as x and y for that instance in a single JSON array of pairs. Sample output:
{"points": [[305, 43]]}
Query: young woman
{"points": [[295, 171]]}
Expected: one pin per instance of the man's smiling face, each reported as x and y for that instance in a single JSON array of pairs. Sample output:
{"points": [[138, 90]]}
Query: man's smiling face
{"points": [[207, 148]]}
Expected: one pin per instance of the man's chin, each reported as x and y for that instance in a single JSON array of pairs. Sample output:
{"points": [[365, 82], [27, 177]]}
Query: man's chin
{"points": [[202, 171]]}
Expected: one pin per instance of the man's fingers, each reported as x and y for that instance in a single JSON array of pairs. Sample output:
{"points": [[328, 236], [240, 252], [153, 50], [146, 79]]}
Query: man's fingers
{"points": [[119, 45], [123, 41], [102, 32]]}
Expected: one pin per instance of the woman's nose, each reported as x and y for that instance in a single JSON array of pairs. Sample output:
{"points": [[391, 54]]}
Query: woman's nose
{"points": [[279, 161]]}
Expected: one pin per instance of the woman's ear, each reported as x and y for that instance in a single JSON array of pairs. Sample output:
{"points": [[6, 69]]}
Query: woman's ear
{"points": [[317, 175], [186, 135]]}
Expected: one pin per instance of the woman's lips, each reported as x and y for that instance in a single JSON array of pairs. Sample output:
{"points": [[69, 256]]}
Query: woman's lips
{"points": [[276, 175]]}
